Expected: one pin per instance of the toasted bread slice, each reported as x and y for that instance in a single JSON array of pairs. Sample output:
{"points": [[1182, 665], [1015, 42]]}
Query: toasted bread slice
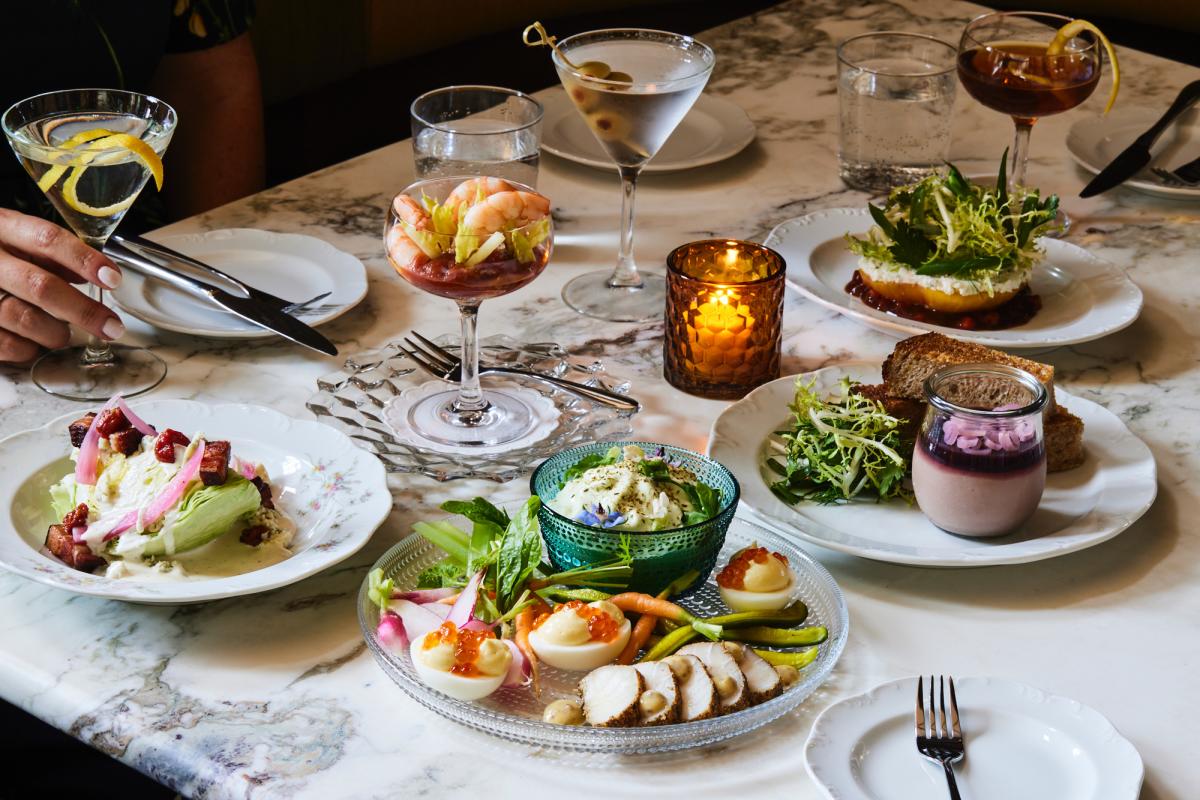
{"points": [[1064, 440], [915, 359], [909, 412]]}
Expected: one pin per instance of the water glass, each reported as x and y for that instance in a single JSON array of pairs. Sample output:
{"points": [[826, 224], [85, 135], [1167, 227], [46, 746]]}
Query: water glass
{"points": [[895, 96], [477, 130]]}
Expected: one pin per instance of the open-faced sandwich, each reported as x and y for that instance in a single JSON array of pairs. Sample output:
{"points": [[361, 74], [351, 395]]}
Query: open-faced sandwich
{"points": [[152, 504], [949, 251]]}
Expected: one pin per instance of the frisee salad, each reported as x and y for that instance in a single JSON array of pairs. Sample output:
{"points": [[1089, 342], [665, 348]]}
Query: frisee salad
{"points": [[837, 450], [946, 226]]}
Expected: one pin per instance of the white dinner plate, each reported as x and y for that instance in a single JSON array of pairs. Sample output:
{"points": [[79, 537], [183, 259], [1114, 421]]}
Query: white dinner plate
{"points": [[1021, 744], [713, 130], [336, 494], [1083, 297], [287, 265], [1081, 507], [1094, 141]]}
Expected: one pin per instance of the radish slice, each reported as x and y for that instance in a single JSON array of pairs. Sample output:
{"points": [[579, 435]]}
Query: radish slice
{"points": [[440, 610], [89, 451], [145, 427], [463, 610], [424, 596], [391, 632], [518, 670], [174, 490], [418, 620]]}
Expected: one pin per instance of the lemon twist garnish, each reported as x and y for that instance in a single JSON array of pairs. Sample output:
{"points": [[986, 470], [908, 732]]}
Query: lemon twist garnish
{"points": [[1073, 29], [94, 143]]}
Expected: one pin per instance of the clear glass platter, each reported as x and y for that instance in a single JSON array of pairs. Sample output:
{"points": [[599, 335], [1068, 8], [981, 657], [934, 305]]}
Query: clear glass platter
{"points": [[515, 714], [353, 400]]}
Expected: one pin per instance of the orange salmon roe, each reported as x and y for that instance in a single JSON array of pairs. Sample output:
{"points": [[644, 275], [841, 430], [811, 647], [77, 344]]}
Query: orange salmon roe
{"points": [[734, 574], [466, 647], [601, 627]]}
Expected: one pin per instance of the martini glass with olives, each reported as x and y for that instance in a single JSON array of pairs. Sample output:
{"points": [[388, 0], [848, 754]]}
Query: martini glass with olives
{"points": [[633, 87]]}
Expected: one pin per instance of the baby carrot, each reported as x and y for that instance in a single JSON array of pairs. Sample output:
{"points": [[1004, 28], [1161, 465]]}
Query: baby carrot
{"points": [[646, 623], [524, 624], [645, 604]]}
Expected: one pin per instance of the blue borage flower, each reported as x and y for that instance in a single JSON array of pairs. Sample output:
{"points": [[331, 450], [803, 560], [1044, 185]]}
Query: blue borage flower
{"points": [[660, 454], [596, 516]]}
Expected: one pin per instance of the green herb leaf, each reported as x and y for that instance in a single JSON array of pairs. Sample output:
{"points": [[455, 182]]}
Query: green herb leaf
{"points": [[519, 554], [590, 461]]}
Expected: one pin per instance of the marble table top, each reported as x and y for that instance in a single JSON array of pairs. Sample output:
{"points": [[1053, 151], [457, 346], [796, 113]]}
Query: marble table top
{"points": [[275, 696]]}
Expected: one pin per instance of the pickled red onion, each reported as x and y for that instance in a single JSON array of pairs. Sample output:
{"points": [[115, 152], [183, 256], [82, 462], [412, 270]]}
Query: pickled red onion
{"points": [[245, 468], [144, 427], [89, 451], [175, 489]]}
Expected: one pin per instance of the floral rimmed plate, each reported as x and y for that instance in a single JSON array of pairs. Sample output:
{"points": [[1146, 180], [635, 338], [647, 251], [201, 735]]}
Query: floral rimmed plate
{"points": [[335, 492], [516, 715], [354, 400]]}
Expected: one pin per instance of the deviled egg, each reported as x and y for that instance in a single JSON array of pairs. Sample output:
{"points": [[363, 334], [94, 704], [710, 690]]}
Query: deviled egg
{"points": [[464, 664], [579, 636], [756, 579]]}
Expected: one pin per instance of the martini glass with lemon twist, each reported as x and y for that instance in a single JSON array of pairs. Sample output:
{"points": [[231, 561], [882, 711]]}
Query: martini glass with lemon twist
{"points": [[1015, 63], [91, 151]]}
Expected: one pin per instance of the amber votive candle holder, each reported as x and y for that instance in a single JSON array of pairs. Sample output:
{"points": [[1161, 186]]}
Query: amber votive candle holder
{"points": [[724, 317]]}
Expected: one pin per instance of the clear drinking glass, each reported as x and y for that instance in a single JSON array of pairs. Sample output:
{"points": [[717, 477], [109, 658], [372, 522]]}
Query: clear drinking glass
{"points": [[477, 130], [631, 119], [895, 96], [70, 143], [468, 416], [1002, 63]]}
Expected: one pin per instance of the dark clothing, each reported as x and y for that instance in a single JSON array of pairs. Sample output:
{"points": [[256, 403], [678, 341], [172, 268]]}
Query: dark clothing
{"points": [[82, 44]]}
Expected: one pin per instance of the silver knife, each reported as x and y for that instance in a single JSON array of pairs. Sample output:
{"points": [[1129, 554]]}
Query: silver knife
{"points": [[248, 309], [1137, 155]]}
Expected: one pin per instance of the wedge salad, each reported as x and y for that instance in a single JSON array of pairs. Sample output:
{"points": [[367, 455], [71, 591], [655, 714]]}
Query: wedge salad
{"points": [[491, 614], [152, 504]]}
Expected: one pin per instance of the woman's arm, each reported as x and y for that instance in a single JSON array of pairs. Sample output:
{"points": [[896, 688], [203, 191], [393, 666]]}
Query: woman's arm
{"points": [[216, 155]]}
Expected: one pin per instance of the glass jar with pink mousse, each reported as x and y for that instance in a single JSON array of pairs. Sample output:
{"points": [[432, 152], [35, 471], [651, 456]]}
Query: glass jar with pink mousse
{"points": [[979, 465]]}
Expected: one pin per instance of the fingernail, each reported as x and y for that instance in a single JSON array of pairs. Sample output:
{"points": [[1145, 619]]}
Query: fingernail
{"points": [[109, 277], [113, 329]]}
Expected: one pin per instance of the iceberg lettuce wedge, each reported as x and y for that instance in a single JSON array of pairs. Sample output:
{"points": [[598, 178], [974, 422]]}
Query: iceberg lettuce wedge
{"points": [[206, 513]]}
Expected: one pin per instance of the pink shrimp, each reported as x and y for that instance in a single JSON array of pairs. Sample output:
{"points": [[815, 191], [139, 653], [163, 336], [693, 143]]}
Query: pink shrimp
{"points": [[505, 211], [475, 190], [402, 250], [412, 212]]}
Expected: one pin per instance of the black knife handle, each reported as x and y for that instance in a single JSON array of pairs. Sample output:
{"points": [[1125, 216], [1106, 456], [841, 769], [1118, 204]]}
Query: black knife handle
{"points": [[1188, 96]]}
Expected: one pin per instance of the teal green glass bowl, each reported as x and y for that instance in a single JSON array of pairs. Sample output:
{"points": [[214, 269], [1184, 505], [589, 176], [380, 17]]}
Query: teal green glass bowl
{"points": [[659, 557]]}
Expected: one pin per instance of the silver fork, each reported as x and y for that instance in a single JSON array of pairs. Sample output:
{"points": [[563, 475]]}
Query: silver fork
{"points": [[939, 743], [1187, 175], [441, 363]]}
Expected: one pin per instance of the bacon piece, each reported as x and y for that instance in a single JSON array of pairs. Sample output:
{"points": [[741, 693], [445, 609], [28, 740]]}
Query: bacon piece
{"points": [[63, 546], [264, 491], [164, 445], [112, 420], [76, 517], [253, 535], [79, 428], [214, 466], [125, 442]]}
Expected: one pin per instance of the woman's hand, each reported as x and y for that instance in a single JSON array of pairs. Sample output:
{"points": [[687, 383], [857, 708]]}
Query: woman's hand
{"points": [[38, 263]]}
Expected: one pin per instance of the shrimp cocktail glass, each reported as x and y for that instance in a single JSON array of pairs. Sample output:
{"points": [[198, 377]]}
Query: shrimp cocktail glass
{"points": [[469, 239], [1015, 63], [91, 151], [633, 87]]}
